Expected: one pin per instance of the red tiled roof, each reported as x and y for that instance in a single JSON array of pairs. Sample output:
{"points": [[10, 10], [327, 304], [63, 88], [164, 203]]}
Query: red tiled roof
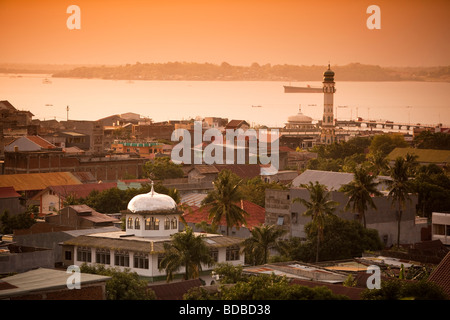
{"points": [[44, 144], [256, 215], [441, 275], [242, 170], [81, 190], [8, 192]]}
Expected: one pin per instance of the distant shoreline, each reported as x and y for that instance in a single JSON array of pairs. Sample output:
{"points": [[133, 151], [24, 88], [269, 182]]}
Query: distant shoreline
{"points": [[184, 71]]}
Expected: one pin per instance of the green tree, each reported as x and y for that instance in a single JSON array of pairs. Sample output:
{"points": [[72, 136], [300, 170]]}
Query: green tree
{"points": [[396, 289], [432, 140], [432, 186], [385, 143], [318, 207], [273, 287], [222, 201], [262, 239], [123, 285], [162, 168], [229, 273], [399, 187], [9, 223], [185, 250], [342, 239], [360, 192], [379, 163]]}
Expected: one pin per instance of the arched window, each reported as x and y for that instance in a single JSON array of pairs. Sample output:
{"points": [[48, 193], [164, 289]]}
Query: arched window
{"points": [[130, 223], [174, 223], [147, 224], [137, 224], [156, 224], [166, 223]]}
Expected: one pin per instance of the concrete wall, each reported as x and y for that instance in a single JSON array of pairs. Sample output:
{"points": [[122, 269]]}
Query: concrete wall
{"points": [[279, 203], [25, 261]]}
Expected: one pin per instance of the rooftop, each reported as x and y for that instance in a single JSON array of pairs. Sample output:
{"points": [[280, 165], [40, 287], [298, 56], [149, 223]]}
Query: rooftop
{"points": [[423, 155], [41, 279], [37, 181]]}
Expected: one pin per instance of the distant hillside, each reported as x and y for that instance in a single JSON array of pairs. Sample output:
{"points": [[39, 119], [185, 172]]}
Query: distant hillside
{"points": [[225, 71]]}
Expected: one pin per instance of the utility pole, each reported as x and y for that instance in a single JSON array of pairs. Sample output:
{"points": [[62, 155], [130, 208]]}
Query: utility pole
{"points": [[67, 113]]}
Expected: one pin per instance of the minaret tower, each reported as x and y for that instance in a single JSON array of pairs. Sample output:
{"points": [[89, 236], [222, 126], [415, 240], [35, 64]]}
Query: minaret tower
{"points": [[327, 135]]}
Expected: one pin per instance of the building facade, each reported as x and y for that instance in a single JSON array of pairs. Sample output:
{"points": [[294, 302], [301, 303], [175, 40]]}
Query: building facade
{"points": [[150, 221]]}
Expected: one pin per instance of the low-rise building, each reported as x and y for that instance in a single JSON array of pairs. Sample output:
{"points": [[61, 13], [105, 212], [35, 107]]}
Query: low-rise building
{"points": [[151, 219], [51, 284], [440, 227], [283, 211]]}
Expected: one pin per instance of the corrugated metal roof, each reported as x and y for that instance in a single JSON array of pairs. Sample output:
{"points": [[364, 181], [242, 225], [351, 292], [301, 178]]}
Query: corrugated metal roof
{"points": [[43, 279], [37, 181], [332, 180]]}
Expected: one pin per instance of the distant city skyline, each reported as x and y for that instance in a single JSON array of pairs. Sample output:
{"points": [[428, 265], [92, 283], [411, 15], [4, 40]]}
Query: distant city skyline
{"points": [[413, 33]]}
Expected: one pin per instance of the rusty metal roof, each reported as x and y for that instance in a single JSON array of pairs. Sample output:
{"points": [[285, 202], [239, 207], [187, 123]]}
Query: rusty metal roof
{"points": [[37, 181]]}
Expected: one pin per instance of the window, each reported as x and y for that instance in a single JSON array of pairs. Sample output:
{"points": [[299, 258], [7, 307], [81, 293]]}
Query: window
{"points": [[439, 229], [137, 224], [280, 221], [140, 261], [103, 256], [122, 258], [232, 253], [151, 223], [166, 224], [68, 255], [160, 258], [130, 223], [84, 254], [174, 223], [214, 254]]}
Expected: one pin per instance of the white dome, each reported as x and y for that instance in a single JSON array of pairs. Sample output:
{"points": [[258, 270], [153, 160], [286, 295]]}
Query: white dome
{"points": [[152, 202], [299, 118]]}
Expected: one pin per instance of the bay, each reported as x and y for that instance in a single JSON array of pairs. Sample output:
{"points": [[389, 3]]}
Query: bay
{"points": [[92, 99]]}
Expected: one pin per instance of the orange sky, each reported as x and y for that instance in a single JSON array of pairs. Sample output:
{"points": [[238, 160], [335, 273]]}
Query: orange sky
{"points": [[413, 32]]}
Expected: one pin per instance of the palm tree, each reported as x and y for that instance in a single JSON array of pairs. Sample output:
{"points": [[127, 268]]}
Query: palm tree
{"points": [[399, 187], [318, 207], [379, 162], [360, 192], [222, 201], [262, 239], [185, 250]]}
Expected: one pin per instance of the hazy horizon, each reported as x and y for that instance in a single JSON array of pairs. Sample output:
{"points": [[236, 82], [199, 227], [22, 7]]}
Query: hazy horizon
{"points": [[413, 33]]}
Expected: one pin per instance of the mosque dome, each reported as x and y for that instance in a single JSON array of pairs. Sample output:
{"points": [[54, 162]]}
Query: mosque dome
{"points": [[299, 118], [328, 75], [152, 203]]}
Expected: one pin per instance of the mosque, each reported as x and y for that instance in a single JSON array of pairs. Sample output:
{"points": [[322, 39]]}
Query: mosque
{"points": [[150, 221], [301, 122]]}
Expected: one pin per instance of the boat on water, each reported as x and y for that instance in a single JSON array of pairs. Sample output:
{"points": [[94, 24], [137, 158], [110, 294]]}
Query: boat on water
{"points": [[258, 106], [307, 89], [46, 81]]}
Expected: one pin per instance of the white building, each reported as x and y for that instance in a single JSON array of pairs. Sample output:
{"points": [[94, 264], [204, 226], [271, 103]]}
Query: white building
{"points": [[440, 229], [151, 219]]}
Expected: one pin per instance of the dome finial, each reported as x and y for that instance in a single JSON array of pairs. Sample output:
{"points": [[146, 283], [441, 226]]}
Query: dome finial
{"points": [[152, 191]]}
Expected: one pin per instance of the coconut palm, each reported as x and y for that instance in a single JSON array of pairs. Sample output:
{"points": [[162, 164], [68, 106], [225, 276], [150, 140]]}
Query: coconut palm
{"points": [[318, 207], [262, 239], [399, 187], [223, 201], [185, 250], [360, 192]]}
